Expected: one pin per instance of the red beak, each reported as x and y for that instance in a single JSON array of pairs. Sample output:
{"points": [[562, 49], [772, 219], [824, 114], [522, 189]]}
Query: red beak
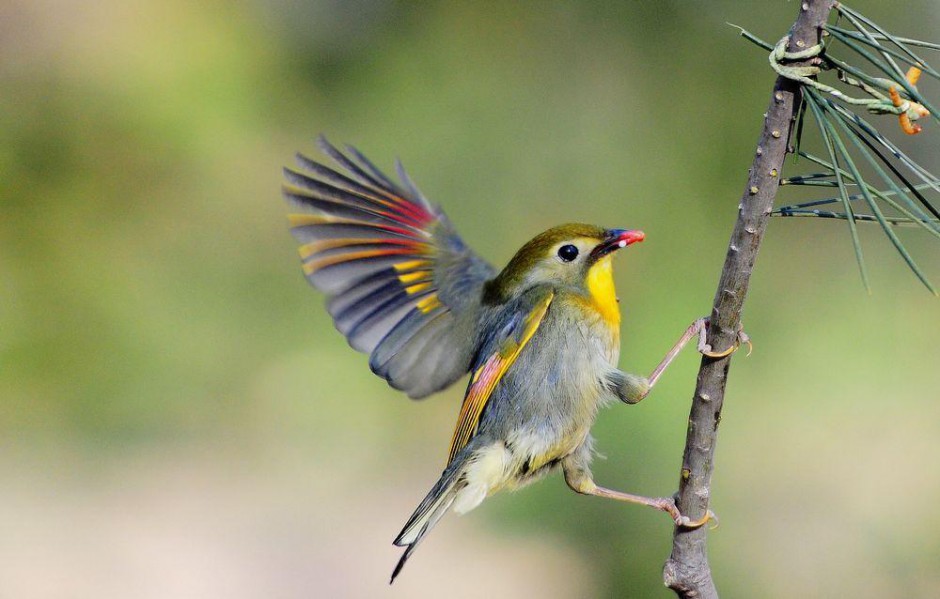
{"points": [[625, 238], [616, 239]]}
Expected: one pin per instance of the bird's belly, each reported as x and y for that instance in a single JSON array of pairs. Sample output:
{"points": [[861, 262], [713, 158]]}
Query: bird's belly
{"points": [[547, 402], [512, 463], [551, 420], [535, 454]]}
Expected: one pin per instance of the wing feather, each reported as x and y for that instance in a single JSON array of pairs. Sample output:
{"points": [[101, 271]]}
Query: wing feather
{"points": [[401, 284]]}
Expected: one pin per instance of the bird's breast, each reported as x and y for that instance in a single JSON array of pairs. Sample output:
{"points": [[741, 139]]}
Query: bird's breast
{"points": [[601, 291]]}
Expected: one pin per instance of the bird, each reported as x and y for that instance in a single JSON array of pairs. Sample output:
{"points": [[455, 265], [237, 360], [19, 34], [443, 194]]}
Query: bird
{"points": [[540, 338]]}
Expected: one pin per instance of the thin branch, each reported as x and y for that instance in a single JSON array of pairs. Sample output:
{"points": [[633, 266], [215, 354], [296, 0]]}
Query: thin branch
{"points": [[687, 571]]}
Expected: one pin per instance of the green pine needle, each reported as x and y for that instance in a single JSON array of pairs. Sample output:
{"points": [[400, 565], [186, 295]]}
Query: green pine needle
{"points": [[843, 190], [869, 62]]}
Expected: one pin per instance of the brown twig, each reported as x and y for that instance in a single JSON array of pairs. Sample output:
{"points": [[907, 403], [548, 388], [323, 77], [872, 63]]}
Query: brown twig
{"points": [[687, 571]]}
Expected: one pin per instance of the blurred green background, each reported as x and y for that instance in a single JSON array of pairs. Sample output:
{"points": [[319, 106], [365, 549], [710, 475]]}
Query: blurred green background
{"points": [[179, 419]]}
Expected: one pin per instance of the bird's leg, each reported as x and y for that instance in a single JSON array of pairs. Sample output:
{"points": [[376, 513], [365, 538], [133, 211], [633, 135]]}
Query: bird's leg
{"points": [[580, 480], [700, 328], [632, 388]]}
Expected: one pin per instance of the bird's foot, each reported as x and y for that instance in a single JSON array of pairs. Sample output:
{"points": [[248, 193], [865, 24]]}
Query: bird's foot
{"points": [[705, 349], [668, 505]]}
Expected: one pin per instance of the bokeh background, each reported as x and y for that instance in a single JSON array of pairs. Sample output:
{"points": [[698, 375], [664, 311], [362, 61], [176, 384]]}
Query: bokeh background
{"points": [[179, 419]]}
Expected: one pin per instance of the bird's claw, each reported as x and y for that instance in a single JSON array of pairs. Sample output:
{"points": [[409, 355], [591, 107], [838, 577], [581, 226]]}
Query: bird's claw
{"points": [[669, 505], [742, 338], [706, 351], [686, 522], [746, 340]]}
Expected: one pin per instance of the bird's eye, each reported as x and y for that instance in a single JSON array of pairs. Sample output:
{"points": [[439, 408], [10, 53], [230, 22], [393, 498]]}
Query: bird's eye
{"points": [[568, 252]]}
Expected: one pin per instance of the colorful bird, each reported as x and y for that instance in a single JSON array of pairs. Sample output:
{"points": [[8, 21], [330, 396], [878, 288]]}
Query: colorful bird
{"points": [[540, 339]]}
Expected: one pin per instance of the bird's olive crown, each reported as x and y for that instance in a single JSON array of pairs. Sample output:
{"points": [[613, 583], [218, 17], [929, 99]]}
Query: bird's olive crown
{"points": [[557, 255]]}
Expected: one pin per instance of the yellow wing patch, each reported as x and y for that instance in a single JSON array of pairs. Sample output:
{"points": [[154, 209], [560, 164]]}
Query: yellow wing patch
{"points": [[486, 377], [429, 303]]}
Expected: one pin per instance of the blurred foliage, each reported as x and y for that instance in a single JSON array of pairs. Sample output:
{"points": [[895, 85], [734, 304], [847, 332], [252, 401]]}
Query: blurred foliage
{"points": [[177, 415]]}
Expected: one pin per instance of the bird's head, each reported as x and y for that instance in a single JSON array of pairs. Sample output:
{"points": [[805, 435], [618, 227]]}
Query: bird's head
{"points": [[570, 255]]}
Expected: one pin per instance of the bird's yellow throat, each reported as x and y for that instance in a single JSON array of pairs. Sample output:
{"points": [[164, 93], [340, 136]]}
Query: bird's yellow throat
{"points": [[600, 284]]}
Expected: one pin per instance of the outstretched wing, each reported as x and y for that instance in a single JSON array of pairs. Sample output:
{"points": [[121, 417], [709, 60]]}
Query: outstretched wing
{"points": [[402, 285], [496, 357]]}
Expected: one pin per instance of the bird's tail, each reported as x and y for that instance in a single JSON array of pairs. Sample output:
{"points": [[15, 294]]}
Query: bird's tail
{"points": [[431, 509]]}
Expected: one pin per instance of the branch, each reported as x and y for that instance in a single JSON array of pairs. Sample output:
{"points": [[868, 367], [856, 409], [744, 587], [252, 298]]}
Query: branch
{"points": [[687, 571]]}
